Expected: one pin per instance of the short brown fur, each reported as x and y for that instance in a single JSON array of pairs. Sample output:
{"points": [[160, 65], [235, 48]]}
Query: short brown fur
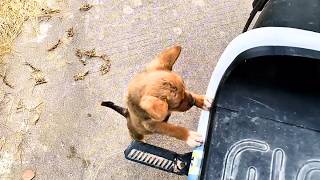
{"points": [[156, 92]]}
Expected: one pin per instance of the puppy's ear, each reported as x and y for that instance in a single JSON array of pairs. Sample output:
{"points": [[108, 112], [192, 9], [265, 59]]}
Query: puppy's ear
{"points": [[155, 107], [165, 60]]}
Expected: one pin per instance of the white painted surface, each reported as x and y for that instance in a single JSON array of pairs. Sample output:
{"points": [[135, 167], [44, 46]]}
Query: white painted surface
{"points": [[267, 36]]}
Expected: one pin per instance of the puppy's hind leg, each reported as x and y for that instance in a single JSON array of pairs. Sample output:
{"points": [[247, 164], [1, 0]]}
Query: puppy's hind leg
{"points": [[133, 133], [136, 136]]}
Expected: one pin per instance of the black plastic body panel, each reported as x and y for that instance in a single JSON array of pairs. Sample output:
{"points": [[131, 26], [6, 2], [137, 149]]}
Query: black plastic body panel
{"points": [[266, 120], [300, 14], [280, 88]]}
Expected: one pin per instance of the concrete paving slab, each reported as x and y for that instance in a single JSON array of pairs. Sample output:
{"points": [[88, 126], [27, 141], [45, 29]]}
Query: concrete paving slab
{"points": [[58, 128]]}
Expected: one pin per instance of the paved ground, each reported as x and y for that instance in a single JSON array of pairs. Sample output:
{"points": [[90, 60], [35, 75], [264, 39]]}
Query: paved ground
{"points": [[58, 128]]}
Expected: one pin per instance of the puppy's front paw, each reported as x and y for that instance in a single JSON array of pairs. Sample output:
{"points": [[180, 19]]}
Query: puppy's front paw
{"points": [[207, 103], [194, 139]]}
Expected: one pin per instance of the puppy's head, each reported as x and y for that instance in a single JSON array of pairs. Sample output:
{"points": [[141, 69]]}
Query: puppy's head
{"points": [[184, 103], [169, 97]]}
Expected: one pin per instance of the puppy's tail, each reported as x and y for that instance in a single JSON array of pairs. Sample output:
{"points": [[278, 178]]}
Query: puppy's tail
{"points": [[123, 111]]}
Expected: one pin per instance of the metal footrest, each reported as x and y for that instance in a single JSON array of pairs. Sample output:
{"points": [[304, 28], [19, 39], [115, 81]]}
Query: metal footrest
{"points": [[159, 158]]}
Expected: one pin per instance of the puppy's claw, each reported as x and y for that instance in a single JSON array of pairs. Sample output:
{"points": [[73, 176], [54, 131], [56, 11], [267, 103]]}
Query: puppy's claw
{"points": [[194, 139], [207, 103]]}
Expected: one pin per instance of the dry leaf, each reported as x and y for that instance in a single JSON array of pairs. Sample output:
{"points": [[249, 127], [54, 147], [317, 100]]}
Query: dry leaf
{"points": [[20, 106], [38, 76], [55, 45], [35, 118], [50, 11], [104, 57], [70, 32], [36, 112], [5, 81], [90, 53], [83, 54], [80, 76], [79, 53], [83, 61], [73, 152], [85, 7], [105, 68], [31, 66]]}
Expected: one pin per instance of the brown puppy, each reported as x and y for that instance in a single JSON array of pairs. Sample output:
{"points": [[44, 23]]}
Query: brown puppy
{"points": [[156, 92]]}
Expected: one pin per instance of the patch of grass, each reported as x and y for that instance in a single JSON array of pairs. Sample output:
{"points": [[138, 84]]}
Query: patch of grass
{"points": [[13, 13]]}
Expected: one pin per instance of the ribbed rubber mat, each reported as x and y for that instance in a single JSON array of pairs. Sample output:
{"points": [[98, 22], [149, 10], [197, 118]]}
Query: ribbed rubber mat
{"points": [[159, 158]]}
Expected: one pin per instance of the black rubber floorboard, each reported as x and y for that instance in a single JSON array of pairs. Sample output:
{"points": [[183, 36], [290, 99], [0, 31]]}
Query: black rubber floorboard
{"points": [[266, 124]]}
